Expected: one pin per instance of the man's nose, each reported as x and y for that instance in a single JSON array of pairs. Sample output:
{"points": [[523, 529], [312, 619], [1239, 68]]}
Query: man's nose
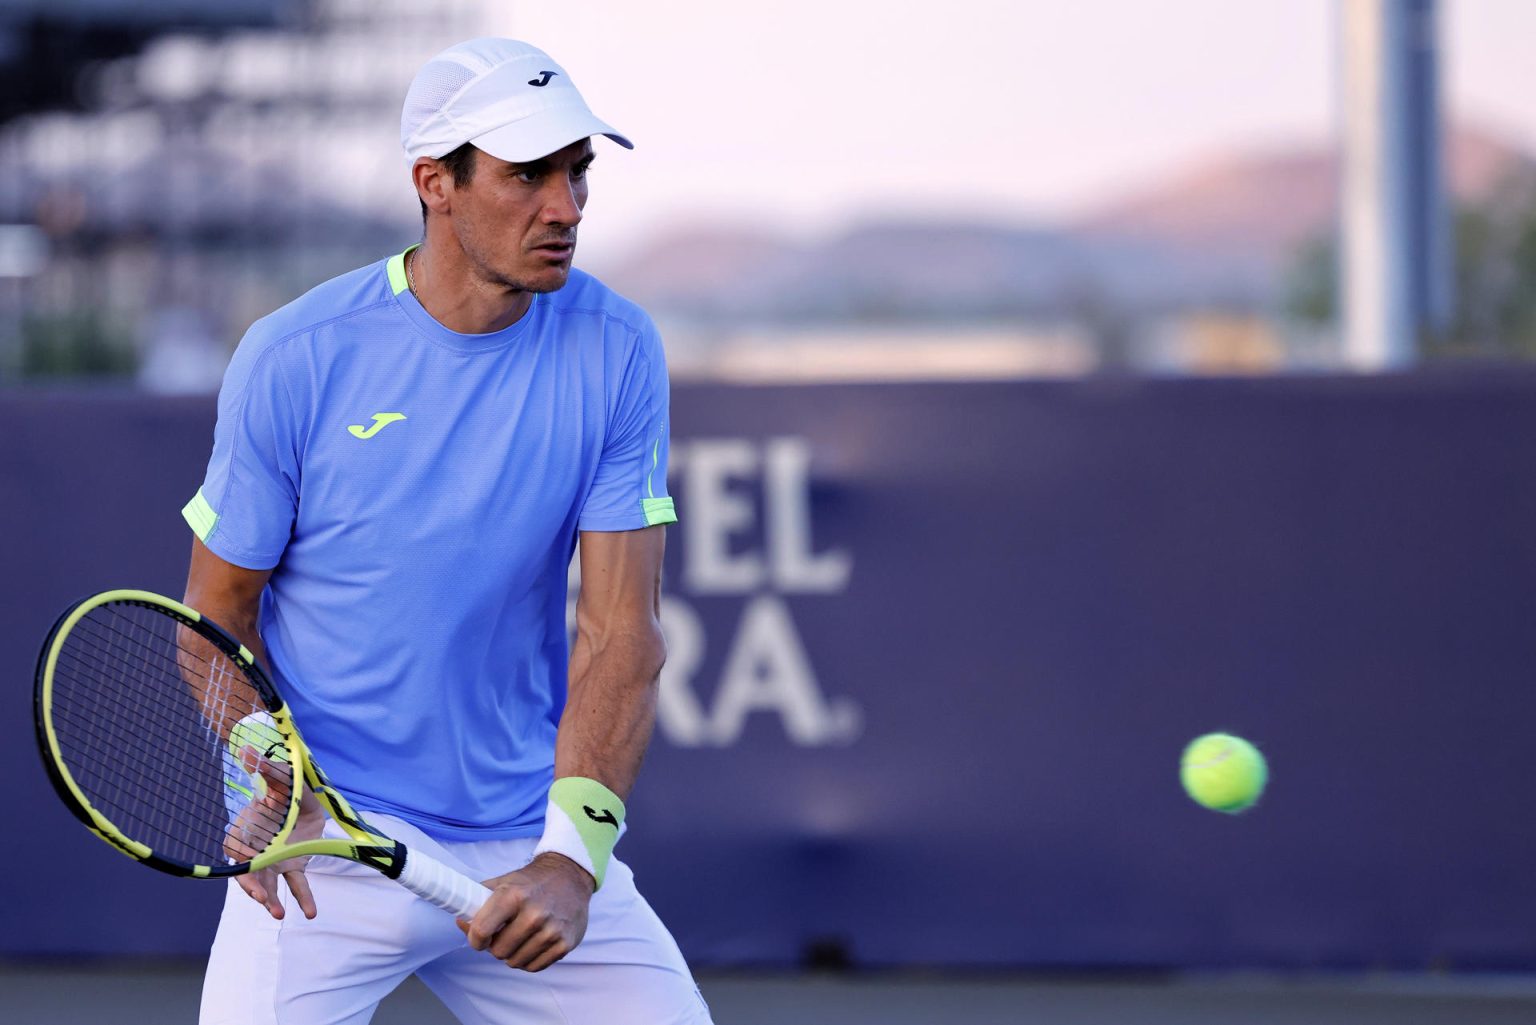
{"points": [[562, 205]]}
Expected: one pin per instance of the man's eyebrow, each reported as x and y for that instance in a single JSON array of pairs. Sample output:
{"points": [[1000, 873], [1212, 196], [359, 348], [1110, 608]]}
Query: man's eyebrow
{"points": [[541, 165]]}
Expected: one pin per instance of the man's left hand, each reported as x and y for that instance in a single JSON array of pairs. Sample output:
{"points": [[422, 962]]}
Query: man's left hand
{"points": [[536, 915]]}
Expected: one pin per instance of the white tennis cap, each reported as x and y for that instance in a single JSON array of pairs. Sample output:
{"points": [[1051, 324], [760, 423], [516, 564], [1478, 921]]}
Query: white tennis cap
{"points": [[506, 97]]}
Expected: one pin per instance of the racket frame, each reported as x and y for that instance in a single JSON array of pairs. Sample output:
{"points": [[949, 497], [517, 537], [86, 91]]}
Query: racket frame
{"points": [[363, 844]]}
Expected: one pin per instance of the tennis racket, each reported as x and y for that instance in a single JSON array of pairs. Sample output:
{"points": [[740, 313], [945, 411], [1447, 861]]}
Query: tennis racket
{"points": [[162, 734]]}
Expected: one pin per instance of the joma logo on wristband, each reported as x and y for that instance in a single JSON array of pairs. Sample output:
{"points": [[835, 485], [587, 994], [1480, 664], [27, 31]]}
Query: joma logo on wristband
{"points": [[606, 818]]}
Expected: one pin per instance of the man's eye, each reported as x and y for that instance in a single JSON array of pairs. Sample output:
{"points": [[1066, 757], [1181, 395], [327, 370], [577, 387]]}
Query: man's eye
{"points": [[529, 177], [580, 170]]}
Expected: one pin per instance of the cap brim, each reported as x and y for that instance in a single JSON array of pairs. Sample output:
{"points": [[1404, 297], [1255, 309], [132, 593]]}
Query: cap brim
{"points": [[543, 133]]}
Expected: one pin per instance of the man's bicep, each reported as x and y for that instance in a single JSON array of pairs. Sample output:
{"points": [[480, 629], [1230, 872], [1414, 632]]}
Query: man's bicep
{"points": [[216, 586], [620, 578]]}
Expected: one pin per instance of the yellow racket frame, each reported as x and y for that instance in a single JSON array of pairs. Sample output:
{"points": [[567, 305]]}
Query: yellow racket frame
{"points": [[363, 845]]}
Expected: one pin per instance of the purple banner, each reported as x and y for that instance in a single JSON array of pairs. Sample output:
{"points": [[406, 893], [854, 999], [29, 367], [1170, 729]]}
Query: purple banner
{"points": [[934, 651]]}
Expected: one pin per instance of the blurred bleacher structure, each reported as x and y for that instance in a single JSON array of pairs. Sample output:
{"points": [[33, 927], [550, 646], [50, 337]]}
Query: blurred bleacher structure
{"points": [[209, 165], [170, 171]]}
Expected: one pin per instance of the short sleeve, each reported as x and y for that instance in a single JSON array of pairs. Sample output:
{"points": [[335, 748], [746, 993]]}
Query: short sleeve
{"points": [[629, 490], [244, 511]]}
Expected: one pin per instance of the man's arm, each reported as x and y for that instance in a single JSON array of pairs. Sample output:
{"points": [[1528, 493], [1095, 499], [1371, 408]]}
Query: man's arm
{"points": [[230, 595], [539, 914], [617, 658]]}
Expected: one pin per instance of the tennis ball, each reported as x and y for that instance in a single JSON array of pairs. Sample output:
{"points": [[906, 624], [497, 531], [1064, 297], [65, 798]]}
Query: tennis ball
{"points": [[260, 731], [1223, 773]]}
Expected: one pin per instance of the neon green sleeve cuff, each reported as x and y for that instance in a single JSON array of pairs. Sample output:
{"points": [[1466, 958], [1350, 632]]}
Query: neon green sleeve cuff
{"points": [[200, 516], [658, 510]]}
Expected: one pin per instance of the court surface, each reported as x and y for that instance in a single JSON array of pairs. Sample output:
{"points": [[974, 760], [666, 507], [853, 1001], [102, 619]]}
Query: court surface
{"points": [[166, 994]]}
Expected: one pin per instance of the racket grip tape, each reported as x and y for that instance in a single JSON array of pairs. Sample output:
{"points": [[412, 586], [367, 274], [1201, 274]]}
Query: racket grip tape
{"points": [[438, 884]]}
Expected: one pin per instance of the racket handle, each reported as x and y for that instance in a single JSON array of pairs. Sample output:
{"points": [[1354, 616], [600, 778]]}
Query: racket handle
{"points": [[438, 884]]}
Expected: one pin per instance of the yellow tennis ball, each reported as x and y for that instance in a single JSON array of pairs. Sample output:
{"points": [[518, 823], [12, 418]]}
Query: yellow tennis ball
{"points": [[1223, 773], [258, 730]]}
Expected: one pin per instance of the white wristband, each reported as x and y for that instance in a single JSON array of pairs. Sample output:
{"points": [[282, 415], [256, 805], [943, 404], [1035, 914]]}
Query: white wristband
{"points": [[583, 822]]}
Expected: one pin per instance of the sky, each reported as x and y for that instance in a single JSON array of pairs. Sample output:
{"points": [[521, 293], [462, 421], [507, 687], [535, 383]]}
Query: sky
{"points": [[809, 115]]}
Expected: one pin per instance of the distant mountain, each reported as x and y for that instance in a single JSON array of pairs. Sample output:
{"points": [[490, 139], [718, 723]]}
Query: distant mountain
{"points": [[1217, 235], [921, 271], [1259, 208]]}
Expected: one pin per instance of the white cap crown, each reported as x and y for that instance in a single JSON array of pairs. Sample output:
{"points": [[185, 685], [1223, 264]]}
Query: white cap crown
{"points": [[505, 96]]}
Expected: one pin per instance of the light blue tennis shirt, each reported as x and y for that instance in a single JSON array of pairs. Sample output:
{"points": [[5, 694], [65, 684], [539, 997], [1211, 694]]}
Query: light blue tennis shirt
{"points": [[419, 492]]}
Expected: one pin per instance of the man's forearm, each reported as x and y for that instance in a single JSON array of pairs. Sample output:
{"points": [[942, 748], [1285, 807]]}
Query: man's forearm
{"points": [[231, 597], [610, 710]]}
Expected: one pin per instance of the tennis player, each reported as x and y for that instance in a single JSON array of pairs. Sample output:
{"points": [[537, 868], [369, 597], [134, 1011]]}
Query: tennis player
{"points": [[405, 461]]}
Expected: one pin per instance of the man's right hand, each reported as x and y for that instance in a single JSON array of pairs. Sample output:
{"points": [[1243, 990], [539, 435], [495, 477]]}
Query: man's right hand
{"points": [[253, 830]]}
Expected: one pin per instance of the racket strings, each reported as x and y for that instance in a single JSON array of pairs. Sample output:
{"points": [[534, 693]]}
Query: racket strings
{"points": [[117, 657], [142, 707], [188, 761], [104, 656], [99, 779], [224, 694]]}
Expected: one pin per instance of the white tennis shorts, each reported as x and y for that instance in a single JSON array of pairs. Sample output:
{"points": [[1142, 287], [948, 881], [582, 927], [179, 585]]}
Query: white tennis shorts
{"points": [[371, 933]]}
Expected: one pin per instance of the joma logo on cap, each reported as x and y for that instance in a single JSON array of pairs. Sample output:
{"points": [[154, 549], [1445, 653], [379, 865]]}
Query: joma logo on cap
{"points": [[547, 75]]}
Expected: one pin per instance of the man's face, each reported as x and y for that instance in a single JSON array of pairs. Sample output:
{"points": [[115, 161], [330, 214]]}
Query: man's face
{"points": [[517, 222]]}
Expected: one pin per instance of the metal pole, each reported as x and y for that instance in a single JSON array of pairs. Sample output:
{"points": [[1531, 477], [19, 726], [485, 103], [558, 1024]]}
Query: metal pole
{"points": [[1395, 272], [1435, 242]]}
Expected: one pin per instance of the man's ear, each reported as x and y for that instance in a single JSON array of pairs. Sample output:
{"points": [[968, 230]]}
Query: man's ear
{"points": [[434, 186]]}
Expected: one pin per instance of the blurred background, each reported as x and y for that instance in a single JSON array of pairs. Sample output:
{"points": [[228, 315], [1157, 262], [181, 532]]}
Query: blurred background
{"points": [[1052, 383]]}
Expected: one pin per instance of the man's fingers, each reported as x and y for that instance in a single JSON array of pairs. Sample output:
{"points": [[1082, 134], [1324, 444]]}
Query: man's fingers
{"points": [[298, 883], [551, 954], [250, 758], [264, 889], [236, 847], [523, 930], [536, 915], [543, 947], [252, 888], [263, 892], [275, 771], [503, 907]]}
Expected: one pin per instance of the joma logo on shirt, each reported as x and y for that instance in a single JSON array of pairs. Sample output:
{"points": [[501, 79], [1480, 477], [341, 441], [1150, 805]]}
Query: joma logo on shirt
{"points": [[380, 421]]}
